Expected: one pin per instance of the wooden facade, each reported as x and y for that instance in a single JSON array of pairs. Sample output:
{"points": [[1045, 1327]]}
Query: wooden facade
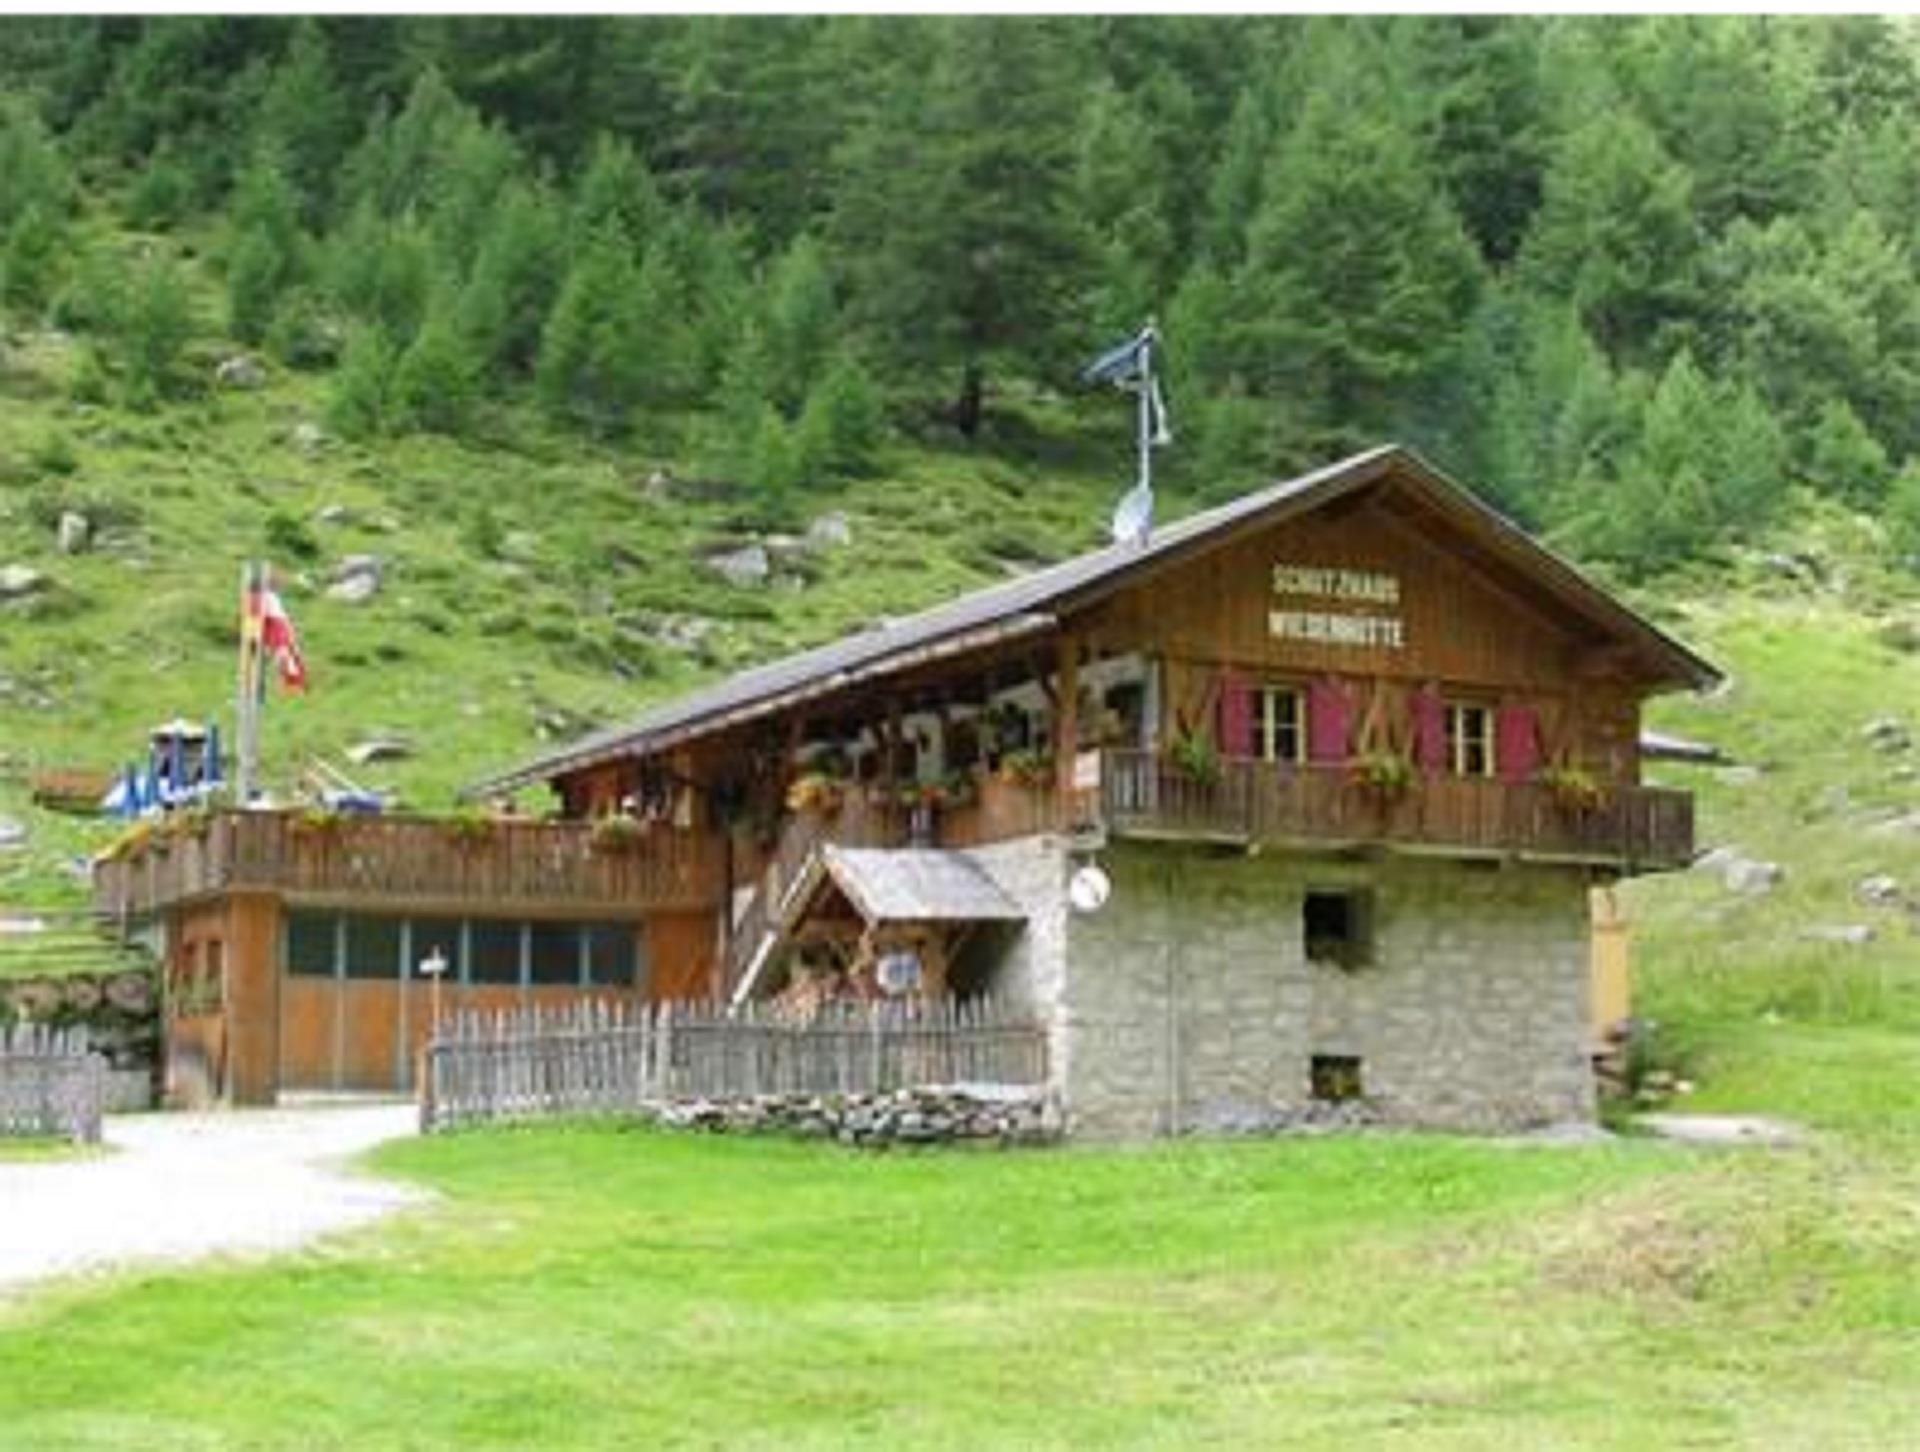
{"points": [[1364, 661]]}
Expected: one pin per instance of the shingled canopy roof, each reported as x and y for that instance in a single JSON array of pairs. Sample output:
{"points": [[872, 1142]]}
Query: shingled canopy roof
{"points": [[1032, 605], [916, 885]]}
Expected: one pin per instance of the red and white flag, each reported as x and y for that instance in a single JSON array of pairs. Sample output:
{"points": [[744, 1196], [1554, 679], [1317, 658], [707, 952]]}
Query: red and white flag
{"points": [[267, 633], [279, 640]]}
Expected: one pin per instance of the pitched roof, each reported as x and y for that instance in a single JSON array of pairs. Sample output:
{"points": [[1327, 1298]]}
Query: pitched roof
{"points": [[1031, 604], [918, 885]]}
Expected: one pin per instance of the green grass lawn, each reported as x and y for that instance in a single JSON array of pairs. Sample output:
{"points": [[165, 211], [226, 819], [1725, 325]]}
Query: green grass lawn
{"points": [[593, 1287], [36, 1148]]}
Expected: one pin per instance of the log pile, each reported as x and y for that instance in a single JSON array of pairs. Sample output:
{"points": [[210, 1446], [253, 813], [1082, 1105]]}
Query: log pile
{"points": [[982, 1115]]}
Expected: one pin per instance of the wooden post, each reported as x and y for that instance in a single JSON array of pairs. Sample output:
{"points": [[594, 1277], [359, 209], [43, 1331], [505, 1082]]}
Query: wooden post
{"points": [[253, 1004], [1066, 723]]}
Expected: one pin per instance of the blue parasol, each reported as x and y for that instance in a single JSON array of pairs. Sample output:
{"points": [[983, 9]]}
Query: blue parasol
{"points": [[176, 768], [123, 797]]}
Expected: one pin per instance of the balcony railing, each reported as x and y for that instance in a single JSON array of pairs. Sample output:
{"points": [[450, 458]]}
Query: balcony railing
{"points": [[416, 861], [1142, 794]]}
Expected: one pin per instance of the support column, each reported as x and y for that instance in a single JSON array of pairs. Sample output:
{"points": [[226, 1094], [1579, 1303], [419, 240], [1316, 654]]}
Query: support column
{"points": [[253, 996], [1066, 723]]}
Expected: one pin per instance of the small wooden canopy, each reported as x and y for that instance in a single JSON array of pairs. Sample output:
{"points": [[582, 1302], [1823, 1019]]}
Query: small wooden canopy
{"points": [[908, 885]]}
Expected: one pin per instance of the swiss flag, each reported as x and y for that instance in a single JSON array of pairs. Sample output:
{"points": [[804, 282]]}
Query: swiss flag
{"points": [[279, 640]]}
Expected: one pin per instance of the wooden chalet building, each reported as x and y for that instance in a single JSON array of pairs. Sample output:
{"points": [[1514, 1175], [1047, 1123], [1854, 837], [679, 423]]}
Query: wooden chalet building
{"points": [[1350, 753]]}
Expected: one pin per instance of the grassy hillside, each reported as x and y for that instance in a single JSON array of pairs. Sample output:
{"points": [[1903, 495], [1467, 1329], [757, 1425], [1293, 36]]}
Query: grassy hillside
{"points": [[534, 582]]}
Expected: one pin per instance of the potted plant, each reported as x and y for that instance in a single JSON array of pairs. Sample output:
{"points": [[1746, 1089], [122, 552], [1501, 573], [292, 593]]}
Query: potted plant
{"points": [[188, 822], [616, 832], [470, 828], [816, 791], [128, 842], [961, 789], [1386, 774], [1573, 788], [1195, 757], [315, 824], [1027, 768]]}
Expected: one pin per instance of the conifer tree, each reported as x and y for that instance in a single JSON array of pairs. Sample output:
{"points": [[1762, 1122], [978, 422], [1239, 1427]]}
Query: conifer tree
{"points": [[1844, 460], [267, 246], [616, 197], [1615, 233], [801, 321], [1234, 189], [154, 324], [1119, 185], [163, 190], [514, 281], [952, 214], [433, 379], [30, 259], [1358, 272], [595, 350], [304, 119], [840, 428], [358, 405]]}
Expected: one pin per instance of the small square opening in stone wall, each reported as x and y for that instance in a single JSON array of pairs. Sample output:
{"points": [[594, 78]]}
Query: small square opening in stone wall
{"points": [[1336, 1078], [1337, 928]]}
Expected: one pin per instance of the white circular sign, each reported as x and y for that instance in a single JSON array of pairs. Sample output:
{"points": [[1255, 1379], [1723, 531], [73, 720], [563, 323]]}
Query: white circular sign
{"points": [[1089, 888], [898, 971]]}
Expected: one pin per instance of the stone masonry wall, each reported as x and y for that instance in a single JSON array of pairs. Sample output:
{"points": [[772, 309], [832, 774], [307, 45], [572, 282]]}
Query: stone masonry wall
{"points": [[1032, 974], [1188, 1002]]}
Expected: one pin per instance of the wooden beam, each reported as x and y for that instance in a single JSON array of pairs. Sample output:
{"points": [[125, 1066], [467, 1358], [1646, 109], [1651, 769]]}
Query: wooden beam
{"points": [[1066, 720]]}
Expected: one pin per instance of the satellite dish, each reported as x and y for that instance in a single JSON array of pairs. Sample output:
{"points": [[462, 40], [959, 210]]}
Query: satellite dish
{"points": [[1133, 517], [898, 971], [1089, 888]]}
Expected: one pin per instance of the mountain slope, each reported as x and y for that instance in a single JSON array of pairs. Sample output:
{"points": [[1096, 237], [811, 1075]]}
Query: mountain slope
{"points": [[531, 582]]}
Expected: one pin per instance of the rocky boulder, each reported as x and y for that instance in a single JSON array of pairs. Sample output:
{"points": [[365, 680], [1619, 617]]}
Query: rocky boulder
{"points": [[1846, 935], [356, 579], [747, 566], [242, 372], [1878, 890], [830, 531], [17, 582], [1885, 733], [74, 533]]}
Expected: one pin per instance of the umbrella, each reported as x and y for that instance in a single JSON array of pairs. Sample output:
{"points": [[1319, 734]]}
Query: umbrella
{"points": [[211, 771], [176, 767], [123, 797]]}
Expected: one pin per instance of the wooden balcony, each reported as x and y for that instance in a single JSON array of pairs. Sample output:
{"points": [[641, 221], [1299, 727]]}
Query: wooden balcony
{"points": [[505, 866], [1633, 828]]}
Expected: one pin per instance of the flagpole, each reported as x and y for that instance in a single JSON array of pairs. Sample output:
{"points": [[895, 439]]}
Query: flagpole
{"points": [[1146, 410], [247, 695]]}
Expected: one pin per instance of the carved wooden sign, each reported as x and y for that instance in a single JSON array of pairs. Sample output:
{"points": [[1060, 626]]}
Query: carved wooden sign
{"points": [[1338, 587]]}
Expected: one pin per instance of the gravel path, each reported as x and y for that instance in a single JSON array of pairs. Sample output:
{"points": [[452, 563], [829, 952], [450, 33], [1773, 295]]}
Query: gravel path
{"points": [[177, 1186]]}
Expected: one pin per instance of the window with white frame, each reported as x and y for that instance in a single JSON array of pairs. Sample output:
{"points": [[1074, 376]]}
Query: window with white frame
{"points": [[1279, 724], [1469, 738]]}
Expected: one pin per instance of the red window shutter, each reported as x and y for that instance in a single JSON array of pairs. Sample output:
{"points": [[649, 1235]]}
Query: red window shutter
{"points": [[1429, 730], [1516, 742], [1328, 722], [1236, 716]]}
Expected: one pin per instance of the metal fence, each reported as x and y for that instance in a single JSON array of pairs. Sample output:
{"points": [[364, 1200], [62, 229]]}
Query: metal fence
{"points": [[602, 1058], [50, 1084]]}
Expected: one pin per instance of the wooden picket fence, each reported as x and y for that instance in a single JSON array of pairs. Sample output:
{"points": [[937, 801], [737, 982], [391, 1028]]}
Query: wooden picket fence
{"points": [[51, 1084], [606, 1058]]}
